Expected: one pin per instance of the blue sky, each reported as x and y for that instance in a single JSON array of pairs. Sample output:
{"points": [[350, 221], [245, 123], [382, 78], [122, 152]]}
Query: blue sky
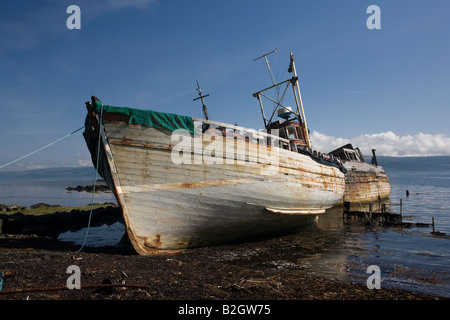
{"points": [[387, 89]]}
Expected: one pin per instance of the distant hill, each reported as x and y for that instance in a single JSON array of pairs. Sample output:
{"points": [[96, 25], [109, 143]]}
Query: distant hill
{"points": [[434, 163], [67, 173]]}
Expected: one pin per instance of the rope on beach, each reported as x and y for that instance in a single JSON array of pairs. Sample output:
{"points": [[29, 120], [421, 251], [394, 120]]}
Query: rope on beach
{"points": [[40, 149], [95, 181]]}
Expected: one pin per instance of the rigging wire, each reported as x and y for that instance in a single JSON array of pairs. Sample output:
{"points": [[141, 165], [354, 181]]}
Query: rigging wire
{"points": [[40, 149], [95, 180]]}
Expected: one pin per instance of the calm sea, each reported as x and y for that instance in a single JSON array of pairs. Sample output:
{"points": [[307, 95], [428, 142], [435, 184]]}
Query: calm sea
{"points": [[49, 186], [408, 258]]}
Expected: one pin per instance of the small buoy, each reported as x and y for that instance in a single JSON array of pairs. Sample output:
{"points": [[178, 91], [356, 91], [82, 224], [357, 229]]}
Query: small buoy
{"points": [[407, 193]]}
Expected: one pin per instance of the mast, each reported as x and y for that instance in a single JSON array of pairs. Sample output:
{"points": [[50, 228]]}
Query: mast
{"points": [[205, 110], [296, 88]]}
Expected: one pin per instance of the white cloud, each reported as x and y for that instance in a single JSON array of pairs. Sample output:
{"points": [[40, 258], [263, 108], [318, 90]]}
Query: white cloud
{"points": [[23, 166], [84, 163], [35, 166], [387, 144], [324, 143]]}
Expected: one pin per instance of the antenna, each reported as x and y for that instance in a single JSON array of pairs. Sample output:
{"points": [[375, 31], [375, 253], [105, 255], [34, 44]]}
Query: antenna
{"points": [[270, 71], [199, 91], [267, 63]]}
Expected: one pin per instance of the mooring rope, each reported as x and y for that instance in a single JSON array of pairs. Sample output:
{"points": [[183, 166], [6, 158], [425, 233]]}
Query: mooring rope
{"points": [[40, 149], [95, 180]]}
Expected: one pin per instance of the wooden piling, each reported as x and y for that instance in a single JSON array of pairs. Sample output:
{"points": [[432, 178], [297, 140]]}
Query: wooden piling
{"points": [[401, 209]]}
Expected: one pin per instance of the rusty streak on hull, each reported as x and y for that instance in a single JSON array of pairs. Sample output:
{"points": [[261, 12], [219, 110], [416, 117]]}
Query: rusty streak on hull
{"points": [[169, 206], [365, 183]]}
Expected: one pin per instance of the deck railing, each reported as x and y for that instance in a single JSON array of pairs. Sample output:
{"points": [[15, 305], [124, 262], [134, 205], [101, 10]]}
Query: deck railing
{"points": [[250, 135]]}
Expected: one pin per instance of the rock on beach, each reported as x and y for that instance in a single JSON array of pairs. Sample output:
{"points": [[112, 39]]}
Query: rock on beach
{"points": [[5, 207]]}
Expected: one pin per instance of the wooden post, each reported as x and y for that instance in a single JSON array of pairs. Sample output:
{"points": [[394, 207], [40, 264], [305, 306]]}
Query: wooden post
{"points": [[346, 206], [374, 158], [432, 222], [401, 208]]}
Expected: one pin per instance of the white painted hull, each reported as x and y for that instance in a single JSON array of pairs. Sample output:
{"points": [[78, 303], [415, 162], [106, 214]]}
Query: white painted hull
{"points": [[170, 206]]}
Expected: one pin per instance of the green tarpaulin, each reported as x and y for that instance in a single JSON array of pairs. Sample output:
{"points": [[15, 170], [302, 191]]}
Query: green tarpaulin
{"points": [[159, 120]]}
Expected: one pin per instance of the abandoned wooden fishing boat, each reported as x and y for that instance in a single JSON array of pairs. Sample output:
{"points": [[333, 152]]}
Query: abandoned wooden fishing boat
{"points": [[364, 182], [184, 182]]}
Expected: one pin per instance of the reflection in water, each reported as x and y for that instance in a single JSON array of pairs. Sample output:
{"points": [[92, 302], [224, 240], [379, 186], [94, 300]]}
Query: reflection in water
{"points": [[101, 236], [408, 257]]}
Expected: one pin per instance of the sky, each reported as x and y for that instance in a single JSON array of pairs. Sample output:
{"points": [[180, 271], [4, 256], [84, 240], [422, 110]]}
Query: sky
{"points": [[387, 88]]}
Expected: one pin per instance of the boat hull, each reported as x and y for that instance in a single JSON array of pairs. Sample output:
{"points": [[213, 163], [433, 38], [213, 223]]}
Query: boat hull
{"points": [[169, 206], [365, 183]]}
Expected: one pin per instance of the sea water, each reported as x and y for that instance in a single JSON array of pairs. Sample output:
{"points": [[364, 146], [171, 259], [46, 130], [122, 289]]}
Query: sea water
{"points": [[48, 186]]}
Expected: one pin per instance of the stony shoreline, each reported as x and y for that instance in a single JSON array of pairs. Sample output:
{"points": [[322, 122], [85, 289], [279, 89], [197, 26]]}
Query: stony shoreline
{"points": [[31, 258]]}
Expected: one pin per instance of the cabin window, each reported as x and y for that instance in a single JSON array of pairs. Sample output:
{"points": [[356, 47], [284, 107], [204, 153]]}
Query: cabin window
{"points": [[351, 155], [292, 132], [300, 133], [284, 133]]}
